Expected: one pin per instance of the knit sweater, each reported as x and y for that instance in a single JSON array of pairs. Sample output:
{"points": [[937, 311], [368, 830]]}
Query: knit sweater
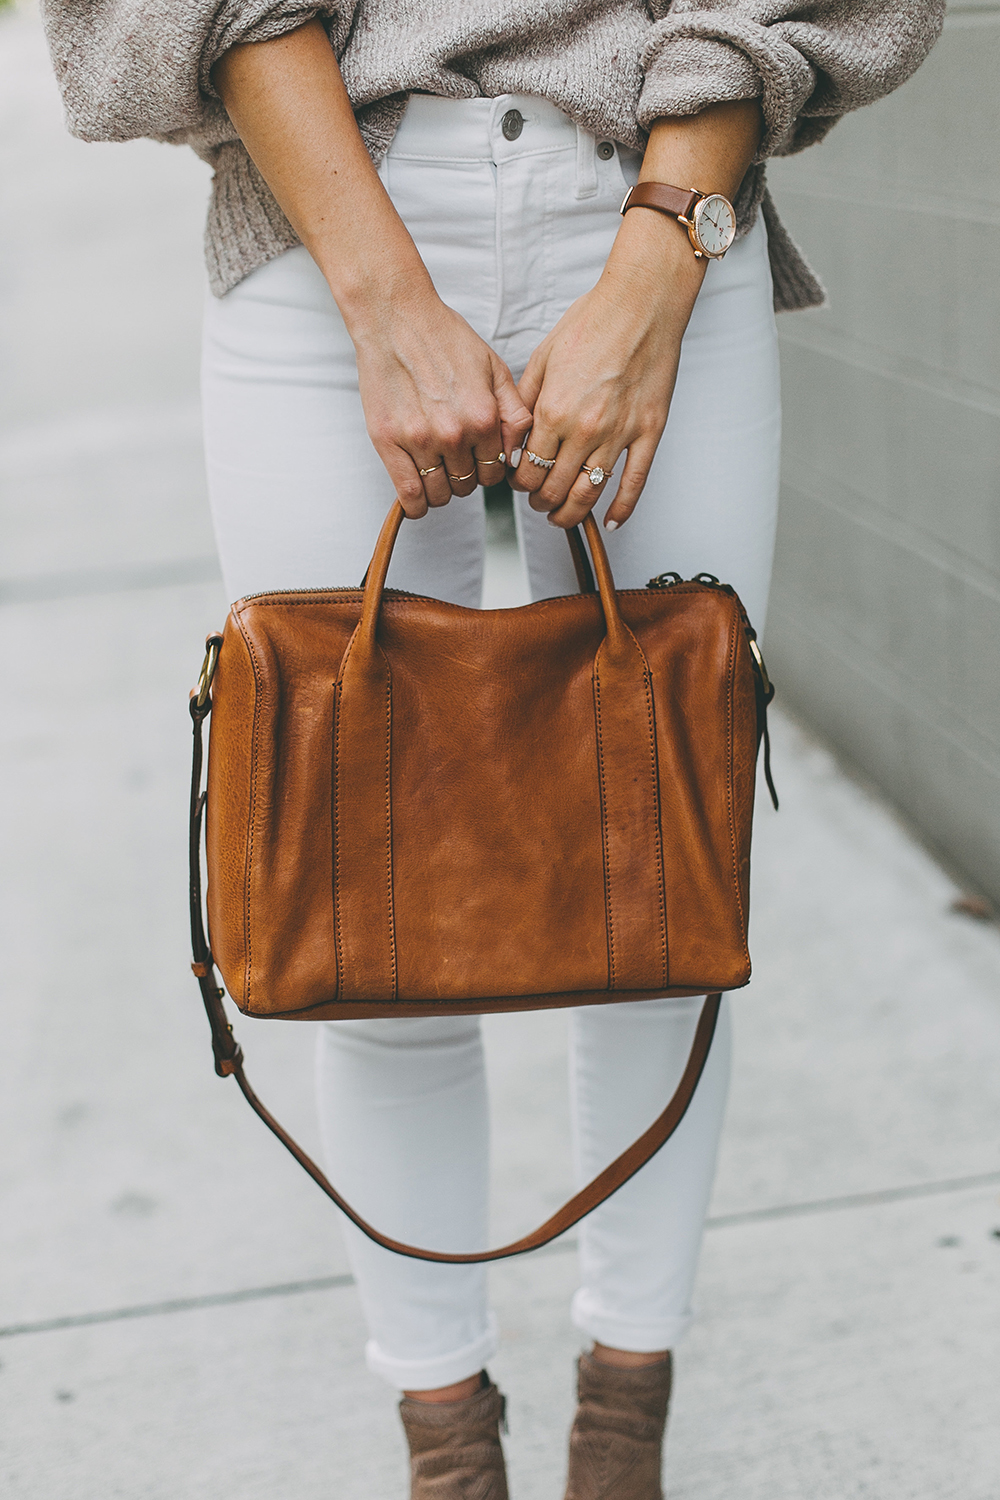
{"points": [[131, 68]]}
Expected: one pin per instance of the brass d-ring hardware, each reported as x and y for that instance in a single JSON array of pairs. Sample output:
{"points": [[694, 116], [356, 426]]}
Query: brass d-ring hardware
{"points": [[207, 672]]}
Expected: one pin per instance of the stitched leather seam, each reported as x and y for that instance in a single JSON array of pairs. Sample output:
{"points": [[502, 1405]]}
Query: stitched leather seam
{"points": [[655, 790], [390, 903], [657, 831], [730, 785], [605, 842], [335, 824], [500, 1004], [391, 597], [252, 814], [337, 919], [390, 895]]}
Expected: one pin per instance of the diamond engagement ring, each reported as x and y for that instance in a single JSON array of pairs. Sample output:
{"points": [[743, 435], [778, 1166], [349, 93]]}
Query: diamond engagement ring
{"points": [[541, 463], [596, 475]]}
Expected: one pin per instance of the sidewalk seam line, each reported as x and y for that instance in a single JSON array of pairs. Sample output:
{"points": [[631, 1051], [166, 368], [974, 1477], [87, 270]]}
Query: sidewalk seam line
{"points": [[334, 1283]]}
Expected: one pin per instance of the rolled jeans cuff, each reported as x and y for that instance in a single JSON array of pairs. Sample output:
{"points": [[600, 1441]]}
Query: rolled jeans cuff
{"points": [[645, 1337], [442, 1369]]}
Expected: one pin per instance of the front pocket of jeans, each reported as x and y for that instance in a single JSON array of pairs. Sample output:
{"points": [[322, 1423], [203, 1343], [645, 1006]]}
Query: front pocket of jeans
{"points": [[627, 164]]}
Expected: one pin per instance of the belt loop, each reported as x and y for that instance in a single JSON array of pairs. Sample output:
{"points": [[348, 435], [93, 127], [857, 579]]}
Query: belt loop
{"points": [[586, 163]]}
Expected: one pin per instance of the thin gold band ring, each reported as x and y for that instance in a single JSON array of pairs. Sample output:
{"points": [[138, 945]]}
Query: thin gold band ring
{"points": [[486, 463], [458, 478], [432, 470]]}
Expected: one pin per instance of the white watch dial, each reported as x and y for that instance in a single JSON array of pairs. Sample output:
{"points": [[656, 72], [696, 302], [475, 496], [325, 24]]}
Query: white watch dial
{"points": [[714, 224]]}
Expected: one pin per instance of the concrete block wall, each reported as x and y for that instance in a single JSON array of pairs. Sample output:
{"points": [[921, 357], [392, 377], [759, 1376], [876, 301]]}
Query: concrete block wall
{"points": [[885, 622]]}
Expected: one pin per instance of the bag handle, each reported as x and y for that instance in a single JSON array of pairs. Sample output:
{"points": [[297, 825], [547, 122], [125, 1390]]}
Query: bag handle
{"points": [[581, 562], [373, 583], [616, 659]]}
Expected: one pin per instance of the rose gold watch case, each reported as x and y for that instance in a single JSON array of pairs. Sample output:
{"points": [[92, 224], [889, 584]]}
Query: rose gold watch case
{"points": [[693, 226]]}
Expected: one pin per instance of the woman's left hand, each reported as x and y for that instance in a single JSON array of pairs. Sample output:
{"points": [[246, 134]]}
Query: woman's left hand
{"points": [[601, 381]]}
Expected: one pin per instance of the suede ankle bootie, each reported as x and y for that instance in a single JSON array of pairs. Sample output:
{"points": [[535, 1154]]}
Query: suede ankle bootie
{"points": [[616, 1441], [455, 1451]]}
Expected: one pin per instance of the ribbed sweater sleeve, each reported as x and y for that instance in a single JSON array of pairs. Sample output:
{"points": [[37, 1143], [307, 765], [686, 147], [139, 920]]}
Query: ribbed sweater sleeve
{"points": [[129, 68], [809, 61]]}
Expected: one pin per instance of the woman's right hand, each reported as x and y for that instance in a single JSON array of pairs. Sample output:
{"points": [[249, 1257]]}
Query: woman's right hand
{"points": [[436, 397]]}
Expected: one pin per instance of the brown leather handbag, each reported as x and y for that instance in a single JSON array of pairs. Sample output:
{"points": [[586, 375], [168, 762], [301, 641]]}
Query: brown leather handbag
{"points": [[418, 809]]}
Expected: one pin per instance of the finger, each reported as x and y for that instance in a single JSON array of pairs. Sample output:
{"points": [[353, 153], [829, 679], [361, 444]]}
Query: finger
{"points": [[409, 486], [491, 458], [530, 382], [583, 494], [515, 417], [637, 466], [461, 469], [434, 478], [540, 446], [560, 479], [514, 460]]}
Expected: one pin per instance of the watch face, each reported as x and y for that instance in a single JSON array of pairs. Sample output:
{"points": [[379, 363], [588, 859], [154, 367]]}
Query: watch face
{"points": [[715, 224]]}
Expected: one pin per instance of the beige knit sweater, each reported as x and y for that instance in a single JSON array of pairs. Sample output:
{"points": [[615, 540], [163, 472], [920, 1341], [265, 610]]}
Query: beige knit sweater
{"points": [[132, 68]]}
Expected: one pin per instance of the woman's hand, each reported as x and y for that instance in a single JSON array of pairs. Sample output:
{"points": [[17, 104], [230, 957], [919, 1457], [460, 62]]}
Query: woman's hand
{"points": [[436, 398], [601, 381]]}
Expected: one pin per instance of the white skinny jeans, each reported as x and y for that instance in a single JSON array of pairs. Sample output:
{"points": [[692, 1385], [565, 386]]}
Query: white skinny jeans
{"points": [[511, 232]]}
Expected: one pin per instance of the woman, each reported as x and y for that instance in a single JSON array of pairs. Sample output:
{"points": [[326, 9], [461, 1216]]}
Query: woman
{"points": [[422, 281]]}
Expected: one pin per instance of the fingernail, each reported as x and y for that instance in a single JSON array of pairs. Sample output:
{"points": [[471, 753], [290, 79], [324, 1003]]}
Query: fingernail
{"points": [[515, 457], [611, 525]]}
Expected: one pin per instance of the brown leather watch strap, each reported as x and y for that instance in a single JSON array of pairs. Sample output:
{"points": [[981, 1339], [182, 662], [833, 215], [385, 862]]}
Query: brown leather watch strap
{"points": [[669, 200]]}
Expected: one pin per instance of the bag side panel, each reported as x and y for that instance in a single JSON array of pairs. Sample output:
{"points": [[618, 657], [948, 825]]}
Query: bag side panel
{"points": [[745, 751], [227, 808], [296, 646], [692, 639]]}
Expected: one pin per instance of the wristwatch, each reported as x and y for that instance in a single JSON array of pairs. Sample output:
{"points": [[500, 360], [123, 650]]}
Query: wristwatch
{"points": [[709, 218]]}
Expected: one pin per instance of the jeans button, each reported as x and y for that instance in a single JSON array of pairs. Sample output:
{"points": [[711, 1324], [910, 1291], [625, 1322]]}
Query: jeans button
{"points": [[606, 150], [512, 124]]}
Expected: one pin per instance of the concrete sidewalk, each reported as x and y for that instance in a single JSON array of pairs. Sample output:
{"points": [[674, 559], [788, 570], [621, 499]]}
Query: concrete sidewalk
{"points": [[176, 1318]]}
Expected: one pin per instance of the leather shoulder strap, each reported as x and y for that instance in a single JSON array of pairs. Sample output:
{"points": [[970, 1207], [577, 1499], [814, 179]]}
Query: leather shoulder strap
{"points": [[229, 1057]]}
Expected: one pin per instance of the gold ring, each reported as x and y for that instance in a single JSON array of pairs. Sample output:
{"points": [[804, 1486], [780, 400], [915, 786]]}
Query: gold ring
{"points": [[458, 478], [596, 475], [485, 463], [432, 470], [540, 463]]}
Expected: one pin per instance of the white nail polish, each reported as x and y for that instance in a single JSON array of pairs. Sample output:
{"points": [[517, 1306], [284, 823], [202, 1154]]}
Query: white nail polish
{"points": [[611, 525], [515, 457]]}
